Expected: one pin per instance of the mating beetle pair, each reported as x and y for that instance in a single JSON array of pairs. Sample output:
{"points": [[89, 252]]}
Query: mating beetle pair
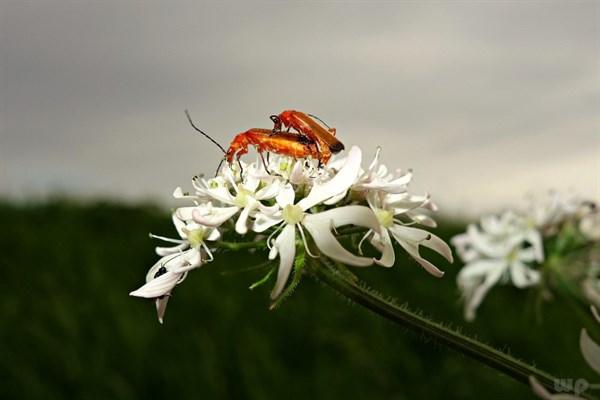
{"points": [[310, 138]]}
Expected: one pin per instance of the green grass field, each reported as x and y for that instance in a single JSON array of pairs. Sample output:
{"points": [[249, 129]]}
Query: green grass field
{"points": [[70, 330]]}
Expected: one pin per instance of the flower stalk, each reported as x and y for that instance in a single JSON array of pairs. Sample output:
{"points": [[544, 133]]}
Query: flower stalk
{"points": [[470, 347]]}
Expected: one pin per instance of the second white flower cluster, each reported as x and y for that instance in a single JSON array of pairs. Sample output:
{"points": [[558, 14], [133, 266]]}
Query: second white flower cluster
{"points": [[508, 248]]}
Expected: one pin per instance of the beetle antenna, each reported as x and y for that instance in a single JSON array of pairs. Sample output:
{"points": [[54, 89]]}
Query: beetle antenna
{"points": [[219, 167], [187, 114], [319, 119]]}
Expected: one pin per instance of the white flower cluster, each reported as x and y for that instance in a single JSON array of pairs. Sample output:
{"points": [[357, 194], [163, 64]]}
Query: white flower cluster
{"points": [[506, 248], [287, 200]]}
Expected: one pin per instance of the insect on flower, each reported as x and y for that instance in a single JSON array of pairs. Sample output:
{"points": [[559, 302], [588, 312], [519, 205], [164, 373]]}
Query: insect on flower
{"points": [[289, 144], [307, 125]]}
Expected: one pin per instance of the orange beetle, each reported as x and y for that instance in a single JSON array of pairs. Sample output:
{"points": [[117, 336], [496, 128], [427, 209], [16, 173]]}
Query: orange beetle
{"points": [[306, 125], [288, 144]]}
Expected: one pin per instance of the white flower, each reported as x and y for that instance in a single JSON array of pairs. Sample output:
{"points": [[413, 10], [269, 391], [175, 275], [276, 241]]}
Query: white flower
{"points": [[375, 178], [378, 177], [319, 225], [246, 197], [498, 252], [187, 254], [388, 208]]}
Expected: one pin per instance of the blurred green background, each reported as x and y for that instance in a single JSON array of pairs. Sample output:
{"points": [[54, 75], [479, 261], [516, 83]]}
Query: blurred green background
{"points": [[70, 330]]}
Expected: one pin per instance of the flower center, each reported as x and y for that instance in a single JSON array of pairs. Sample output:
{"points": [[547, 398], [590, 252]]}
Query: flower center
{"points": [[385, 217], [512, 255], [292, 214], [196, 237], [241, 199], [285, 167]]}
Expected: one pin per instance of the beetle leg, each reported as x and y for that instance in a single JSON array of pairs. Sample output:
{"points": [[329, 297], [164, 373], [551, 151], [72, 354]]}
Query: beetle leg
{"points": [[241, 168], [264, 163]]}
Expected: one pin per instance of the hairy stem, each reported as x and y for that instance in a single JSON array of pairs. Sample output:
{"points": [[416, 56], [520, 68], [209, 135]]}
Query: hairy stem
{"points": [[472, 348]]}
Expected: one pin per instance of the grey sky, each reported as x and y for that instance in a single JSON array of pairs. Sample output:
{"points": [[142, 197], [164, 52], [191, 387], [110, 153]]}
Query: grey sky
{"points": [[486, 101]]}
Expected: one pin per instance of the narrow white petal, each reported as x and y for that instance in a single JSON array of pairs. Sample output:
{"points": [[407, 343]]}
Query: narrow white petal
{"points": [[336, 185], [388, 256], [535, 238], [414, 235], [477, 296], [522, 276], [241, 225], [179, 225], [286, 248], [336, 199], [165, 251], [422, 219], [413, 250], [216, 217], [251, 183], [213, 235], [269, 191], [185, 213], [297, 174], [319, 226], [439, 246], [161, 307], [286, 196], [263, 222], [159, 286], [478, 269], [590, 351], [348, 215]]}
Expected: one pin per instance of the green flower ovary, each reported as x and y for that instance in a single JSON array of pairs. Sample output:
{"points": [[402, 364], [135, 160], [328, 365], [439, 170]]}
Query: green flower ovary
{"points": [[241, 199], [292, 214], [385, 217], [196, 237]]}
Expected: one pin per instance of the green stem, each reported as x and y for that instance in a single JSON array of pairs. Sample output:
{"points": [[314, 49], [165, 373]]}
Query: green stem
{"points": [[478, 351]]}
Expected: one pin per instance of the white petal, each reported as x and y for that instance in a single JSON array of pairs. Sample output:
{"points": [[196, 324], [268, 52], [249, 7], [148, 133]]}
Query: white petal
{"points": [[179, 225], [336, 185], [269, 191], [523, 276], [185, 213], [286, 248], [535, 238], [590, 351], [165, 251], [216, 217], [478, 269], [179, 194], [388, 257], [159, 286], [319, 226], [297, 174], [241, 225], [214, 235], [262, 222], [477, 295], [409, 234], [219, 193], [251, 183], [161, 307], [439, 246], [286, 196], [411, 238], [422, 219]]}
